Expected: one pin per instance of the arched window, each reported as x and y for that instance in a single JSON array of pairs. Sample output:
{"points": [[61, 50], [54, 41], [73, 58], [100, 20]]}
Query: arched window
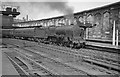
{"points": [[97, 19], [81, 19], [106, 16], [44, 23], [90, 18], [56, 22], [75, 21], [41, 23]]}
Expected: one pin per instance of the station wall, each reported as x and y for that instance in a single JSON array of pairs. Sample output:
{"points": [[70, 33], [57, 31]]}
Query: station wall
{"points": [[104, 21]]}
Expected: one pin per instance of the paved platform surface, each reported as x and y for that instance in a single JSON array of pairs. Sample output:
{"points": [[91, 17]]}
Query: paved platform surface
{"points": [[7, 67], [103, 45], [103, 40]]}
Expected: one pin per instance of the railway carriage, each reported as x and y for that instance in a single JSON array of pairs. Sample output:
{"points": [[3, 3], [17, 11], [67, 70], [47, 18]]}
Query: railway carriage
{"points": [[40, 34], [7, 32], [24, 33]]}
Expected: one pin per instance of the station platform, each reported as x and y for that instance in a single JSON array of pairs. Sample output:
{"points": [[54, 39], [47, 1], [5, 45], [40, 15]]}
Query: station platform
{"points": [[103, 45], [101, 40], [7, 68]]}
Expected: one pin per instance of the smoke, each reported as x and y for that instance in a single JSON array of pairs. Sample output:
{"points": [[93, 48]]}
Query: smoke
{"points": [[35, 10], [43, 8], [62, 7]]}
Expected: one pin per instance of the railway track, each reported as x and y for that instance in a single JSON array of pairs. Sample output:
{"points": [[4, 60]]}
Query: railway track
{"points": [[19, 69], [57, 63], [55, 49], [61, 68], [31, 70], [108, 58], [35, 57], [94, 54], [65, 68], [100, 55]]}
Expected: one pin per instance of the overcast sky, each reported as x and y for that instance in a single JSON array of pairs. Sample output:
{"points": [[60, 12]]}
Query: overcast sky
{"points": [[39, 9]]}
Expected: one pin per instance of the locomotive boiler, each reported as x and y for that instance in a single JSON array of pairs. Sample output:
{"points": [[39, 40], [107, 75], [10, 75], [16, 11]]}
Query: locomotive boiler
{"points": [[71, 36]]}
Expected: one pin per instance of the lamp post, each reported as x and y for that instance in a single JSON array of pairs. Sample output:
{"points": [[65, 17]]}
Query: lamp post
{"points": [[115, 14], [113, 39], [117, 37]]}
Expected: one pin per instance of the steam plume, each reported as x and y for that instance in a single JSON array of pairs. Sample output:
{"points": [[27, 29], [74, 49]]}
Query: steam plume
{"points": [[43, 7], [63, 8]]}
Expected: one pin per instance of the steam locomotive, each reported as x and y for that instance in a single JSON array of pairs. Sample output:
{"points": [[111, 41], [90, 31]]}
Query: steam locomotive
{"points": [[69, 35]]}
